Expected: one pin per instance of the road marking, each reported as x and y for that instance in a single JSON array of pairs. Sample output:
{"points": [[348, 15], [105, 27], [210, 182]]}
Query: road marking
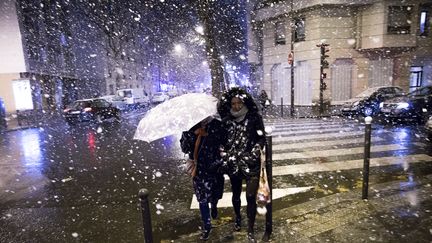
{"points": [[303, 126], [279, 147], [335, 152], [314, 131], [225, 202], [278, 139], [403, 161], [302, 122]]}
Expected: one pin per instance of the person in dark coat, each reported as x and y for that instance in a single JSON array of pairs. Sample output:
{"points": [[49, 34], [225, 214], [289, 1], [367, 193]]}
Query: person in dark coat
{"points": [[263, 97], [264, 100], [241, 154], [203, 141]]}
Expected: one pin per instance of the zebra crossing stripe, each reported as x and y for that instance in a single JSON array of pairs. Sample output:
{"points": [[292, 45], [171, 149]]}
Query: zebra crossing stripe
{"points": [[335, 152], [402, 161], [301, 125], [225, 202], [291, 129], [279, 139], [279, 147], [316, 131], [302, 121]]}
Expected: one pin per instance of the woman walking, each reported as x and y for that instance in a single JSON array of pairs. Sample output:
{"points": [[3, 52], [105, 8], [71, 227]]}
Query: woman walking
{"points": [[241, 155], [202, 142]]}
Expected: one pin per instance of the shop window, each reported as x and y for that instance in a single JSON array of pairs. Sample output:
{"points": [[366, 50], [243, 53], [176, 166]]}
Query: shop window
{"points": [[22, 94]]}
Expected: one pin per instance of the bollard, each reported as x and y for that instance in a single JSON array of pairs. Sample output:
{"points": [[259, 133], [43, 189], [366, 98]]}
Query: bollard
{"points": [[368, 129], [269, 214], [18, 114], [148, 235], [281, 106]]}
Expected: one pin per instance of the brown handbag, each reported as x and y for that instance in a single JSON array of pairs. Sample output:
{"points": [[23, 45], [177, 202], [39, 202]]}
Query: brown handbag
{"points": [[191, 167], [191, 164]]}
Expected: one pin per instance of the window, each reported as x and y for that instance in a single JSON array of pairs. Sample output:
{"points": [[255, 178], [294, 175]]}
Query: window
{"points": [[101, 103], [424, 16], [280, 33], [300, 34], [23, 94], [63, 40], [416, 76], [399, 20], [111, 89]]}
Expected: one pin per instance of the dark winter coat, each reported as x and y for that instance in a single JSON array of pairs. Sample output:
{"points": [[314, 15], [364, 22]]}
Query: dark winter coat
{"points": [[208, 183], [244, 138]]}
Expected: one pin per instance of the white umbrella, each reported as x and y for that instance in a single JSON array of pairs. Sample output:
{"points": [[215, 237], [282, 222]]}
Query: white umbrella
{"points": [[175, 115]]}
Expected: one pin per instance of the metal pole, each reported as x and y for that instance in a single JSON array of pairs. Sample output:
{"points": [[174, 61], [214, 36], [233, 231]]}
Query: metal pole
{"points": [[19, 118], [321, 98], [269, 214], [292, 62], [281, 106], [148, 235], [368, 129]]}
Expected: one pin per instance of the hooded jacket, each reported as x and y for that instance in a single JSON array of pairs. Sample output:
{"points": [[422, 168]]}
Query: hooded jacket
{"points": [[244, 138]]}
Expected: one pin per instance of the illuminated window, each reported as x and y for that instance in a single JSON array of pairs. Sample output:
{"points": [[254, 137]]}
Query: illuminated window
{"points": [[424, 23], [23, 94]]}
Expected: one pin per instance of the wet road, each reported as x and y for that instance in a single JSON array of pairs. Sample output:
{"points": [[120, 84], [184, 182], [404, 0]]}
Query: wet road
{"points": [[80, 184]]}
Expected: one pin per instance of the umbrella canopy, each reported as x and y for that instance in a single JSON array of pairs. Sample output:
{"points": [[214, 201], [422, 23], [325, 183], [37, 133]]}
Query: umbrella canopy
{"points": [[175, 115]]}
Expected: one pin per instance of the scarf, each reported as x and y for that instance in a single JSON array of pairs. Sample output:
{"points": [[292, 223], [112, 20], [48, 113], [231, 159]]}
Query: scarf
{"points": [[239, 115]]}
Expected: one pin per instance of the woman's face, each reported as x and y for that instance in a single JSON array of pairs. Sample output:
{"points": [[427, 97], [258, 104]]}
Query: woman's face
{"points": [[236, 104]]}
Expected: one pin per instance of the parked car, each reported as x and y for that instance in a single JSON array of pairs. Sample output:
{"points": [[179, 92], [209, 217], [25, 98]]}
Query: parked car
{"points": [[3, 123], [429, 127], [416, 105], [96, 110], [367, 103], [116, 101], [134, 98], [160, 97], [173, 93]]}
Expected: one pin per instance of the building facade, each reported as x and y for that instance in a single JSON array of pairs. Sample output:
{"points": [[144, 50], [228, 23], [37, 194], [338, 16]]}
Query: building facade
{"points": [[371, 43], [51, 56], [42, 57]]}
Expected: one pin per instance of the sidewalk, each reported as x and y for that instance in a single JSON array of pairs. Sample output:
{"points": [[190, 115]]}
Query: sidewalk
{"points": [[30, 121], [397, 211]]}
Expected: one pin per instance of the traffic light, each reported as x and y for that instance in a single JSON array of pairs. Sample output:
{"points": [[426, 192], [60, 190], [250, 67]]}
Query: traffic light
{"points": [[324, 64]]}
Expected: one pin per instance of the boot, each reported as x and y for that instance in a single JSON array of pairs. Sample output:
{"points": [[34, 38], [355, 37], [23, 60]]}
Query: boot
{"points": [[237, 224], [214, 211], [251, 235], [205, 234]]}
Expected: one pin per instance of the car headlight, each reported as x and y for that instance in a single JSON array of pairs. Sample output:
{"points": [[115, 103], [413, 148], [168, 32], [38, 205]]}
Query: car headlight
{"points": [[381, 105], [402, 105]]}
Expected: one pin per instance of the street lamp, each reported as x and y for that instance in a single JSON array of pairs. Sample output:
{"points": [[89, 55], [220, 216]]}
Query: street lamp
{"points": [[199, 29], [178, 48]]}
